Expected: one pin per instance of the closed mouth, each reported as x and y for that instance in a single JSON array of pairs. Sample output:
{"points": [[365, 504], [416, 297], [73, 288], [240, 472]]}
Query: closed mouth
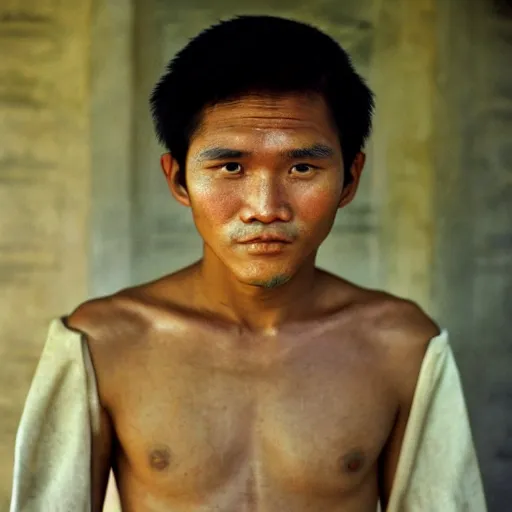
{"points": [[266, 240]]}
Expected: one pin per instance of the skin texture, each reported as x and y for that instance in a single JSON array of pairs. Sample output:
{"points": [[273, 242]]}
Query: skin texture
{"points": [[252, 380]]}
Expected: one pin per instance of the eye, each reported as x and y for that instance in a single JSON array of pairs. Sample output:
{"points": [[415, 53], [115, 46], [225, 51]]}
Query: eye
{"points": [[303, 168], [232, 168]]}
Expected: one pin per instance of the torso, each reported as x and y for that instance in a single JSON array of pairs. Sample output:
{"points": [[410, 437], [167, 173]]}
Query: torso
{"points": [[207, 418]]}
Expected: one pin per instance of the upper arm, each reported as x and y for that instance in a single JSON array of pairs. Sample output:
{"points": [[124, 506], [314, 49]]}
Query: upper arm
{"points": [[84, 319], [407, 337], [101, 461]]}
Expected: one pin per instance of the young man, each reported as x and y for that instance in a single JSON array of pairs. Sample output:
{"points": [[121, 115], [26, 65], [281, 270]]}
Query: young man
{"points": [[252, 380]]}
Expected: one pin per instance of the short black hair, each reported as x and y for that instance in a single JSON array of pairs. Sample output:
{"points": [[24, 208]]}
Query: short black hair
{"points": [[259, 54]]}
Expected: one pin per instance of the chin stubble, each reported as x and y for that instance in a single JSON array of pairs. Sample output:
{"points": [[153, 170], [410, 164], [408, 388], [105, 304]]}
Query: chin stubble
{"points": [[273, 282]]}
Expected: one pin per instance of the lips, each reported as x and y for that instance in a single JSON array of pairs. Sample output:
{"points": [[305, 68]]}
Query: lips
{"points": [[266, 239]]}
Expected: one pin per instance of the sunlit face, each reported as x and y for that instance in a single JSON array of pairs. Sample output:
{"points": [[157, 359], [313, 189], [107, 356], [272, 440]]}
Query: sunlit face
{"points": [[268, 168]]}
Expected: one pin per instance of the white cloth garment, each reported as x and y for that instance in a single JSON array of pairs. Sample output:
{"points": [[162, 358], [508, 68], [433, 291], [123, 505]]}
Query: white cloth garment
{"points": [[437, 470], [52, 455], [438, 467]]}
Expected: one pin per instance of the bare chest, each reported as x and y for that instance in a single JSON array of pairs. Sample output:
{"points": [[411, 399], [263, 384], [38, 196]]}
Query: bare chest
{"points": [[314, 419]]}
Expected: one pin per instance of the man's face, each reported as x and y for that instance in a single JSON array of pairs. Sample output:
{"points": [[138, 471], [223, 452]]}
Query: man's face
{"points": [[266, 168]]}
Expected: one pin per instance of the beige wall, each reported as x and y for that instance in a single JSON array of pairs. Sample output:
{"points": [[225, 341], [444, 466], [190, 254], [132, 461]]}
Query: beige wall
{"points": [[84, 211], [44, 188]]}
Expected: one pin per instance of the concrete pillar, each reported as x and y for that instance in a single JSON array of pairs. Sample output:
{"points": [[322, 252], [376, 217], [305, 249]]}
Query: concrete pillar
{"points": [[474, 201], [44, 189], [111, 78], [403, 74]]}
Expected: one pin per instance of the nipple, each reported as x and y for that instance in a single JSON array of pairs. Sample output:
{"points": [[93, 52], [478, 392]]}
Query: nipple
{"points": [[352, 462], [160, 458]]}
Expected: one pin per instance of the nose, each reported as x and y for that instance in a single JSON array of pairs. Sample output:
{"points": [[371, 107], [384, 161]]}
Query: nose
{"points": [[266, 201]]}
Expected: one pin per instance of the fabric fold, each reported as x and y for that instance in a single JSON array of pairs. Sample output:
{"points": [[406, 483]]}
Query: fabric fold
{"points": [[52, 455], [438, 468]]}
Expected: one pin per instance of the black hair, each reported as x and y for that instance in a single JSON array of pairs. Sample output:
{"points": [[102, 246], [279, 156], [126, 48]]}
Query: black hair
{"points": [[259, 54]]}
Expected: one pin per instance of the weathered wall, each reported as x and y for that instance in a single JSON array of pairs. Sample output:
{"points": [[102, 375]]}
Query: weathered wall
{"points": [[44, 188], [404, 75], [473, 263], [111, 82], [432, 220]]}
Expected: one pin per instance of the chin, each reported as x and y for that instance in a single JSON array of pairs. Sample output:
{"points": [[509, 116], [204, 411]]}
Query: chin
{"points": [[263, 276], [269, 283]]}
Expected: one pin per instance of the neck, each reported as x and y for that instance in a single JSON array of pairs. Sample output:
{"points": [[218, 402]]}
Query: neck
{"points": [[255, 308]]}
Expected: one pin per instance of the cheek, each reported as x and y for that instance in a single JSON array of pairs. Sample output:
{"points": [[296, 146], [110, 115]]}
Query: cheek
{"points": [[318, 204], [209, 203]]}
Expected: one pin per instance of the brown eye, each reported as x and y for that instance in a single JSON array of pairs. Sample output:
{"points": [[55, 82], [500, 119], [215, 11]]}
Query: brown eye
{"points": [[303, 168], [232, 167]]}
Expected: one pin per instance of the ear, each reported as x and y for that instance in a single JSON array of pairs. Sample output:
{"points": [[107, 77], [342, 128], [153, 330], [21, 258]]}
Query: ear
{"points": [[349, 191], [172, 175]]}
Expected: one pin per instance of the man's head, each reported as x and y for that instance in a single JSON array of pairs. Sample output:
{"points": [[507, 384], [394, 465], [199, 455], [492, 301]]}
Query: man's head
{"points": [[264, 120]]}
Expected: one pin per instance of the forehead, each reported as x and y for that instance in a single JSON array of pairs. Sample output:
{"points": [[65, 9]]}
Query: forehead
{"points": [[258, 119]]}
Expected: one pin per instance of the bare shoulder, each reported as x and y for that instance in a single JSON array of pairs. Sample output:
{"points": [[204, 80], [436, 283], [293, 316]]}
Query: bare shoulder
{"points": [[115, 328], [398, 329], [384, 317], [402, 332], [399, 321], [130, 315], [107, 318]]}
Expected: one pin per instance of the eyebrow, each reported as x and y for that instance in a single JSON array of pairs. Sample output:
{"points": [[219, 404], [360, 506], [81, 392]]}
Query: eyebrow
{"points": [[218, 153], [316, 151]]}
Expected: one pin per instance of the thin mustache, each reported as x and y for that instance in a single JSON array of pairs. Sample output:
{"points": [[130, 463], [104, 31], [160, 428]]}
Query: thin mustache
{"points": [[240, 234]]}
